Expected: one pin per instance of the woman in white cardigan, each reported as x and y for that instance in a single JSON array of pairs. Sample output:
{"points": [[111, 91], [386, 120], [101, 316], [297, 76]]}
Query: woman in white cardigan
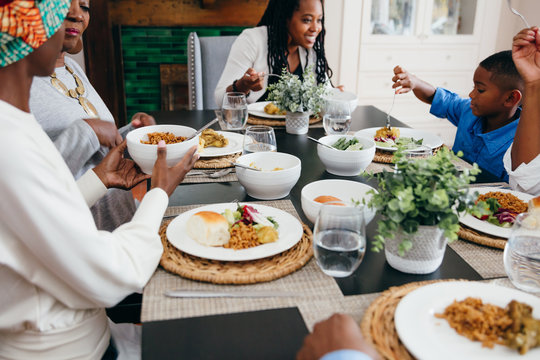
{"points": [[290, 35], [522, 159]]}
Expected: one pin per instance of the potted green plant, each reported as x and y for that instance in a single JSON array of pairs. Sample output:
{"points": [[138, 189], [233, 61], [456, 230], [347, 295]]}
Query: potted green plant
{"points": [[298, 98], [419, 205]]}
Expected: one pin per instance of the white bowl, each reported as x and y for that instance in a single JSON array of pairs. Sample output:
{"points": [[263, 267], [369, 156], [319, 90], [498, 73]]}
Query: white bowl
{"points": [[346, 163], [345, 190], [268, 184], [145, 155], [336, 94]]}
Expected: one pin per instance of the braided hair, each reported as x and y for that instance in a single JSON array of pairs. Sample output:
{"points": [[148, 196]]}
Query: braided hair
{"points": [[275, 18]]}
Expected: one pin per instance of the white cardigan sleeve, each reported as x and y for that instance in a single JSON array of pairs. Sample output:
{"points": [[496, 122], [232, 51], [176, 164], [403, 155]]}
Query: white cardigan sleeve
{"points": [[249, 50], [50, 238], [525, 177]]}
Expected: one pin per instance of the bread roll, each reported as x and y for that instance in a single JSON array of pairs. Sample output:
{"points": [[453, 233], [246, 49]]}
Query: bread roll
{"points": [[208, 228]]}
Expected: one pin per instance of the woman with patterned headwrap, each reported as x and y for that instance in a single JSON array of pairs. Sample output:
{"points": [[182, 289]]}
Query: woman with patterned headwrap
{"points": [[57, 270]]}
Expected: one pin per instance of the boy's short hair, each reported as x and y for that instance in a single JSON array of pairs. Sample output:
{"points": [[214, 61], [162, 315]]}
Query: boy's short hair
{"points": [[503, 71]]}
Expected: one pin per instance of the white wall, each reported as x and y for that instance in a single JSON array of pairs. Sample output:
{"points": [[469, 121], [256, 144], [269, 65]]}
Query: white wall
{"points": [[342, 46], [511, 24]]}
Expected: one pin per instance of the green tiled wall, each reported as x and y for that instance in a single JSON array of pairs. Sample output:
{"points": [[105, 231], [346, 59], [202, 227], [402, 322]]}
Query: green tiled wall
{"points": [[144, 48]]}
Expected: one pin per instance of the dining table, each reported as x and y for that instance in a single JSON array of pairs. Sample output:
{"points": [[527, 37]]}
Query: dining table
{"points": [[274, 327]]}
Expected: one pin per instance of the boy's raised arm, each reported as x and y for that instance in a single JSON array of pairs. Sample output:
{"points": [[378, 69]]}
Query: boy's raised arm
{"points": [[405, 82], [526, 56]]}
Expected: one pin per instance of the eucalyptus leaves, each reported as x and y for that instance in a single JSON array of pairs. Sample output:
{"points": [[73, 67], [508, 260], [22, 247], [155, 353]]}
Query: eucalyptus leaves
{"points": [[294, 95], [427, 191]]}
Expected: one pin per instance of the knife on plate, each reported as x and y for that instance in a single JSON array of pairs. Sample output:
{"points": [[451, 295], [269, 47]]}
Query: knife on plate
{"points": [[201, 129], [218, 294]]}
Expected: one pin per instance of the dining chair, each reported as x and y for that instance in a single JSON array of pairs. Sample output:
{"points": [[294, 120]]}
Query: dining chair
{"points": [[206, 60]]}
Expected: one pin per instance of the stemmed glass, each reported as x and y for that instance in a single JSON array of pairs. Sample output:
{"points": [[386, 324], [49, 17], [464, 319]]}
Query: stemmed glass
{"points": [[234, 111], [337, 117], [259, 138], [339, 239], [522, 253]]}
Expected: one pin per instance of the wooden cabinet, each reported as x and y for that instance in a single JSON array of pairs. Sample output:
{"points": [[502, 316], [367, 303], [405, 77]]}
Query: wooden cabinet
{"points": [[440, 41]]}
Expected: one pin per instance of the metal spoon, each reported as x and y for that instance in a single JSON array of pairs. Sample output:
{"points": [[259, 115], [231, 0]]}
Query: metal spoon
{"points": [[244, 166], [321, 143], [509, 2]]}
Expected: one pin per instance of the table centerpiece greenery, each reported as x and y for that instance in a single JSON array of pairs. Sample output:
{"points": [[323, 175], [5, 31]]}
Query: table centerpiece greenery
{"points": [[428, 191], [294, 95]]}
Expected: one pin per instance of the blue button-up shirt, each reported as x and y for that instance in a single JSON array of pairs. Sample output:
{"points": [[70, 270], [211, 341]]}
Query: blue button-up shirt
{"points": [[485, 149]]}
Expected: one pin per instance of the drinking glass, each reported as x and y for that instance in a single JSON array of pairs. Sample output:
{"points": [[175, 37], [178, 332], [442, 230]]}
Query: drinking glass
{"points": [[522, 253], [234, 111], [415, 152], [339, 239], [259, 138], [337, 117]]}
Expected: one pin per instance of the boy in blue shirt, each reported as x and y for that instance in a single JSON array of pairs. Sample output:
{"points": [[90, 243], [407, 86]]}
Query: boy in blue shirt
{"points": [[487, 121]]}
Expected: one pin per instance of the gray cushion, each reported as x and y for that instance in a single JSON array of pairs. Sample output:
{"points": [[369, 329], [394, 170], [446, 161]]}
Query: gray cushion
{"points": [[207, 57]]}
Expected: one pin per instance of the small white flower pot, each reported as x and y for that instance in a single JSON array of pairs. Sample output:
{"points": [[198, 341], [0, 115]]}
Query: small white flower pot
{"points": [[297, 122], [424, 257]]}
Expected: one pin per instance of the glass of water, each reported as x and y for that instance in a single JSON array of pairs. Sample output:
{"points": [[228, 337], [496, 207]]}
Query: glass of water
{"points": [[234, 111], [339, 239], [522, 253], [259, 138], [337, 117]]}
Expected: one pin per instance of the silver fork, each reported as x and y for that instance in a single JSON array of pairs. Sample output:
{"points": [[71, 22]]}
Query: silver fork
{"points": [[389, 111], [509, 2]]}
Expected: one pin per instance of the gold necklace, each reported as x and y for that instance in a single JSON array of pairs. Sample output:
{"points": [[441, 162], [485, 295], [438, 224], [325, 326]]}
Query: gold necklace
{"points": [[76, 93]]}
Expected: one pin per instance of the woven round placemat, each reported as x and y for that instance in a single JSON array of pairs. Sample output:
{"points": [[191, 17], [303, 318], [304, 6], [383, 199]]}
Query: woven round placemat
{"points": [[466, 233], [219, 162], [255, 120], [387, 157], [235, 272], [378, 322]]}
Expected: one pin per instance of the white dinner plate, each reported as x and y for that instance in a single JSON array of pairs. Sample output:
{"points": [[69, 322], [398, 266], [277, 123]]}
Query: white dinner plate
{"points": [[487, 227], [234, 146], [428, 337], [429, 139], [257, 109], [289, 230]]}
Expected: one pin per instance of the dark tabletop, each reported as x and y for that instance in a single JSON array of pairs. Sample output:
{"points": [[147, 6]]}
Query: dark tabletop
{"points": [[373, 275]]}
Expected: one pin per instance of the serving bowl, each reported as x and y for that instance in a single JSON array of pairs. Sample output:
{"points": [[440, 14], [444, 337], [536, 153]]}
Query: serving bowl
{"points": [[145, 155], [342, 162], [345, 190], [336, 94], [280, 172]]}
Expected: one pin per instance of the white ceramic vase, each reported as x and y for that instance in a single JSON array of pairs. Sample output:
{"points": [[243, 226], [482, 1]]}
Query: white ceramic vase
{"points": [[297, 122], [426, 254]]}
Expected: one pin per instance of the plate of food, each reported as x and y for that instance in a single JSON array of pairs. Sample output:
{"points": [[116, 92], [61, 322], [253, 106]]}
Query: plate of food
{"points": [[234, 232], [266, 109], [498, 210], [388, 139], [219, 143], [469, 320]]}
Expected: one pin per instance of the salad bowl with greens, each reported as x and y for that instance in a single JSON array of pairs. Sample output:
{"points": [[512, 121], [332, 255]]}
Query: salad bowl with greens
{"points": [[349, 156]]}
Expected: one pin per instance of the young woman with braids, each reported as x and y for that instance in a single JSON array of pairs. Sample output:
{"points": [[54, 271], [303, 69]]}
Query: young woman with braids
{"points": [[290, 35]]}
